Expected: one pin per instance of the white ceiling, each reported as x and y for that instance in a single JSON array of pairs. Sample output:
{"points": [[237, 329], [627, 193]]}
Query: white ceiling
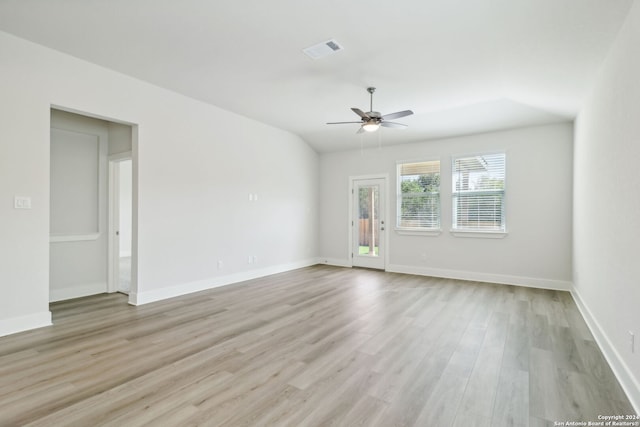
{"points": [[463, 66]]}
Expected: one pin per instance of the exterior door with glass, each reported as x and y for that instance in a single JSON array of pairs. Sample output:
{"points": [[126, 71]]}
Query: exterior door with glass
{"points": [[368, 223]]}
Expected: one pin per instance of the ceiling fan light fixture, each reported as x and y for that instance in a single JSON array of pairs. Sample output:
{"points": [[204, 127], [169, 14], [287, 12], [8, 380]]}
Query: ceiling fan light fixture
{"points": [[370, 127], [372, 120]]}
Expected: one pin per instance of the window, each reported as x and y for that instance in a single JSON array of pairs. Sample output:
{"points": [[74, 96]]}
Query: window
{"points": [[419, 195], [478, 192]]}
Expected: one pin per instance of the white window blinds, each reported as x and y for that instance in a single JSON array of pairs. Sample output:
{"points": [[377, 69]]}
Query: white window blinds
{"points": [[419, 195], [478, 192]]}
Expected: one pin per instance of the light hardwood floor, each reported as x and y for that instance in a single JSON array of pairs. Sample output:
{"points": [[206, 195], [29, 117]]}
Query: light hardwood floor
{"points": [[313, 347]]}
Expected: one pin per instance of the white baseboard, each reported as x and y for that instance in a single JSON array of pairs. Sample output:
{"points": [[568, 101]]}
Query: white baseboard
{"points": [[77, 291], [532, 282], [336, 262], [145, 297], [24, 323], [629, 383]]}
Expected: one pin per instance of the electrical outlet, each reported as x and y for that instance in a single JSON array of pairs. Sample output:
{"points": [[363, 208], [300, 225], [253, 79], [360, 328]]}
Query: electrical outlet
{"points": [[255, 259], [632, 341], [250, 260], [220, 265]]}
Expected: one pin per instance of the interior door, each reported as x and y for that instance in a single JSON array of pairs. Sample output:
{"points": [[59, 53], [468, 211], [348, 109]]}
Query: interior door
{"points": [[120, 231], [368, 223], [124, 225]]}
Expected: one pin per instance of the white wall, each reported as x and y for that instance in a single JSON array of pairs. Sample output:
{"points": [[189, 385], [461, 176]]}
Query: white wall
{"points": [[537, 249], [196, 165], [607, 206]]}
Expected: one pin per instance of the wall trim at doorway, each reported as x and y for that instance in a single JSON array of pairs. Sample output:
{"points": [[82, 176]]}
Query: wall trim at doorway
{"points": [[77, 291], [24, 323], [146, 297]]}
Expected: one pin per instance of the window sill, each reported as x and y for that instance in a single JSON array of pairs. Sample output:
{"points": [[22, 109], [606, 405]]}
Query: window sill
{"points": [[418, 232], [479, 234]]}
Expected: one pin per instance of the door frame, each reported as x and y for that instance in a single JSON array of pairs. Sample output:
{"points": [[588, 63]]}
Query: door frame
{"points": [[384, 208], [113, 245]]}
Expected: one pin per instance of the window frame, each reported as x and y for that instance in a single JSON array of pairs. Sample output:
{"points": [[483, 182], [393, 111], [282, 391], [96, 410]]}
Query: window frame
{"points": [[496, 233], [422, 231]]}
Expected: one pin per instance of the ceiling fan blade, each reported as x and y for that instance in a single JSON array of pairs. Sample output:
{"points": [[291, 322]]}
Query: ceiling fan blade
{"points": [[393, 125], [360, 130], [341, 123], [360, 113], [397, 115]]}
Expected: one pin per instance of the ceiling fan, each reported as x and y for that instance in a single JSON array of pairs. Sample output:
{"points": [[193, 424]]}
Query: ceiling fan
{"points": [[372, 120]]}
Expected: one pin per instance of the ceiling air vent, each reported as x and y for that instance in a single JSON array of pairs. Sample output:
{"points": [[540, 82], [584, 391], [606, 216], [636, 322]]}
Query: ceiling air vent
{"points": [[322, 49]]}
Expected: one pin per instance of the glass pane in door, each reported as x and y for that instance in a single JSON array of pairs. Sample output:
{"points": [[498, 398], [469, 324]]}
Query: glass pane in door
{"points": [[368, 227]]}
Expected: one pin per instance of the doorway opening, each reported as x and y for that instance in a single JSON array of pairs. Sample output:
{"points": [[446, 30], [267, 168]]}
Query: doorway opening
{"points": [[93, 205]]}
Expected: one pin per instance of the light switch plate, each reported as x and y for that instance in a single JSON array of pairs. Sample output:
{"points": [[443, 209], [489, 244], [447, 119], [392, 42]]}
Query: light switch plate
{"points": [[21, 202]]}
